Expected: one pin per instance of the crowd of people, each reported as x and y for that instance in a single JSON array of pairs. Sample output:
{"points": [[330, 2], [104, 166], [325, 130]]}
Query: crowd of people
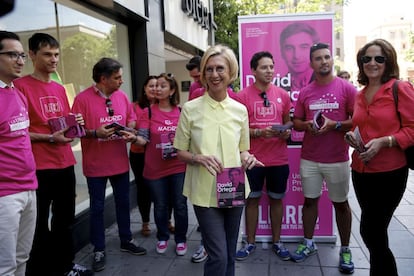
{"points": [[181, 152]]}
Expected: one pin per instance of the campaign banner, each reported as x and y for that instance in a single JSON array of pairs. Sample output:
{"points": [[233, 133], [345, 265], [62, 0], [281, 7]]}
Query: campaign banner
{"points": [[288, 38]]}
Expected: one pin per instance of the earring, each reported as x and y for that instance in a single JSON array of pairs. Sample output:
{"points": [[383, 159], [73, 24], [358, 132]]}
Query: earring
{"points": [[171, 96]]}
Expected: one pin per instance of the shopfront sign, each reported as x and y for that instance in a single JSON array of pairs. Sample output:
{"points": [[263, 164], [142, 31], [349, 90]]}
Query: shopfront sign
{"points": [[199, 12]]}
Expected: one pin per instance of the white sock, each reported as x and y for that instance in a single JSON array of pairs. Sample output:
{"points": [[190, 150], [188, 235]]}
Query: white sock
{"points": [[309, 242]]}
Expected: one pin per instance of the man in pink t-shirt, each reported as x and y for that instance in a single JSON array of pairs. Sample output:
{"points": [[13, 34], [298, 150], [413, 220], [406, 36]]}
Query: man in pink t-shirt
{"points": [[105, 155], [54, 163], [269, 122], [193, 67], [323, 110], [17, 166]]}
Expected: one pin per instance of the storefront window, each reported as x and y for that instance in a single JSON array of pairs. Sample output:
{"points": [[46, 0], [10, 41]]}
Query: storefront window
{"points": [[84, 38]]}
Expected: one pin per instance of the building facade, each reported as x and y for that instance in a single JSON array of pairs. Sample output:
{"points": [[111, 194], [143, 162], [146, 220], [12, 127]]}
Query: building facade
{"points": [[148, 37]]}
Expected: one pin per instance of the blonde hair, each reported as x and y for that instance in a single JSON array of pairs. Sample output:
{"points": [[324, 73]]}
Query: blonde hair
{"points": [[228, 55]]}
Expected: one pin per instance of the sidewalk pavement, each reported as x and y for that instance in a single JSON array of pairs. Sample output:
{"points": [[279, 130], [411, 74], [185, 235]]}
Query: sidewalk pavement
{"points": [[263, 261]]}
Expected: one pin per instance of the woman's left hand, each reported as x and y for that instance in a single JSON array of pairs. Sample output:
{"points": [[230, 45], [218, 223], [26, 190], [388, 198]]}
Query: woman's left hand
{"points": [[249, 161], [373, 147]]}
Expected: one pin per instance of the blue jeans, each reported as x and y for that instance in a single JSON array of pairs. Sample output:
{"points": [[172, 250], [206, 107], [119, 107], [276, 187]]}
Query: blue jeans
{"points": [[120, 187], [220, 230], [168, 191]]}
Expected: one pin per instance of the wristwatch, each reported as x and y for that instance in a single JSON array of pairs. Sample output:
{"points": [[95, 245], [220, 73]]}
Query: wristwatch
{"points": [[338, 125], [51, 139]]}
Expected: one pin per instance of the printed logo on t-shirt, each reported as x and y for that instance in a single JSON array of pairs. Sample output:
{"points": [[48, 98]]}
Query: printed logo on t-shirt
{"points": [[264, 113], [18, 124], [327, 102], [51, 107]]}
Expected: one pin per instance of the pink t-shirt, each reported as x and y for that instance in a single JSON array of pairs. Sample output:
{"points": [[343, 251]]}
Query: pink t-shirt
{"points": [[46, 100], [17, 165], [271, 151], [139, 112], [193, 87], [160, 158], [103, 157], [336, 99]]}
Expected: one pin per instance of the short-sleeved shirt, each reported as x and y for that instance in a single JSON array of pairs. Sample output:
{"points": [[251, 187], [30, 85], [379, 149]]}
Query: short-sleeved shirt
{"points": [[17, 165], [160, 157], [139, 112], [270, 151], [46, 100], [193, 87], [103, 156], [336, 100], [214, 128]]}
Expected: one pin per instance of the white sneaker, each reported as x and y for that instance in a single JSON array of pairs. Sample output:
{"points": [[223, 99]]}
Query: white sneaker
{"points": [[200, 255], [162, 247], [181, 249]]}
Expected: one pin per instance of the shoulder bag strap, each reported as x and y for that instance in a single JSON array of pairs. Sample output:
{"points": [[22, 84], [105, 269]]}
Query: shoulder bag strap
{"points": [[395, 94]]}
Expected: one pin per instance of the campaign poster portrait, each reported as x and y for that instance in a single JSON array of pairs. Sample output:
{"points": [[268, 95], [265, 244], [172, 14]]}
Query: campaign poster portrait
{"points": [[288, 38]]}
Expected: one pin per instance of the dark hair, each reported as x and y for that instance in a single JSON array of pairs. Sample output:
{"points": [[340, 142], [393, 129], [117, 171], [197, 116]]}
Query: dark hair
{"points": [[142, 97], [234, 169], [105, 67], [174, 98], [316, 47], [193, 63], [295, 28], [39, 40], [7, 35], [391, 66], [254, 61], [343, 72]]}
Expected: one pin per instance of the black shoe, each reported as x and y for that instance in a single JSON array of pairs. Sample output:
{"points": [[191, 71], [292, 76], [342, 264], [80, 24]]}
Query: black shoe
{"points": [[99, 261], [132, 248], [78, 270]]}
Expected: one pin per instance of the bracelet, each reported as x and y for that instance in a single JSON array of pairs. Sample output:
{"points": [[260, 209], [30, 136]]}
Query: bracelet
{"points": [[256, 133], [51, 139], [192, 159], [390, 141], [95, 135]]}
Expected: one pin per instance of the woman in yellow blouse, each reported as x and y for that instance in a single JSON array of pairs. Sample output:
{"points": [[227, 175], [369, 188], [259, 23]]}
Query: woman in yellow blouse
{"points": [[213, 134]]}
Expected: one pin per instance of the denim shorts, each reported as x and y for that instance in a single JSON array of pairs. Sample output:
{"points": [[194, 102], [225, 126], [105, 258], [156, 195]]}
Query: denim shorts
{"points": [[275, 178]]}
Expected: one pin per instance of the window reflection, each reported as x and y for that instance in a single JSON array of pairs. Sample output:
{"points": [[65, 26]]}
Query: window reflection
{"points": [[83, 39]]}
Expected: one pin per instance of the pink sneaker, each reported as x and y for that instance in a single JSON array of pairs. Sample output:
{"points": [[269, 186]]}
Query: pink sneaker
{"points": [[162, 247], [181, 249]]}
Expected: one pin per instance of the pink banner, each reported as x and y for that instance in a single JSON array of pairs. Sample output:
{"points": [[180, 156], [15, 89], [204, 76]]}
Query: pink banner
{"points": [[288, 38]]}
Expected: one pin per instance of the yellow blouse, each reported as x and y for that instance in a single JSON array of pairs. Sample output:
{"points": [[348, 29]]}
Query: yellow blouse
{"points": [[214, 128]]}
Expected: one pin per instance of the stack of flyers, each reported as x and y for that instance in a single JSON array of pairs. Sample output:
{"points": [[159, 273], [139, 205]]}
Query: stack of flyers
{"points": [[230, 187], [360, 145], [318, 120], [69, 121], [282, 128]]}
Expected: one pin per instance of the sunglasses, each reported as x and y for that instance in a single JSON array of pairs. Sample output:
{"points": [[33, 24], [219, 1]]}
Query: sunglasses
{"points": [[266, 102], [109, 108], [378, 59]]}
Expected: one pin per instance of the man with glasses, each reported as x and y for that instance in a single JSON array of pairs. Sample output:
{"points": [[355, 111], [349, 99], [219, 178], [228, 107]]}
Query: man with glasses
{"points": [[105, 107], [268, 107], [52, 251], [324, 155], [17, 166]]}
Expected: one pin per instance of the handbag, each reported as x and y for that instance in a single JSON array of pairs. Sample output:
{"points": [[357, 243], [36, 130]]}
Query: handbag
{"points": [[409, 152]]}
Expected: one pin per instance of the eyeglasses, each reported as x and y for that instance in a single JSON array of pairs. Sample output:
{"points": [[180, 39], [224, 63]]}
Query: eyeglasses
{"points": [[15, 55], [109, 108], [266, 102], [378, 59], [219, 70]]}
